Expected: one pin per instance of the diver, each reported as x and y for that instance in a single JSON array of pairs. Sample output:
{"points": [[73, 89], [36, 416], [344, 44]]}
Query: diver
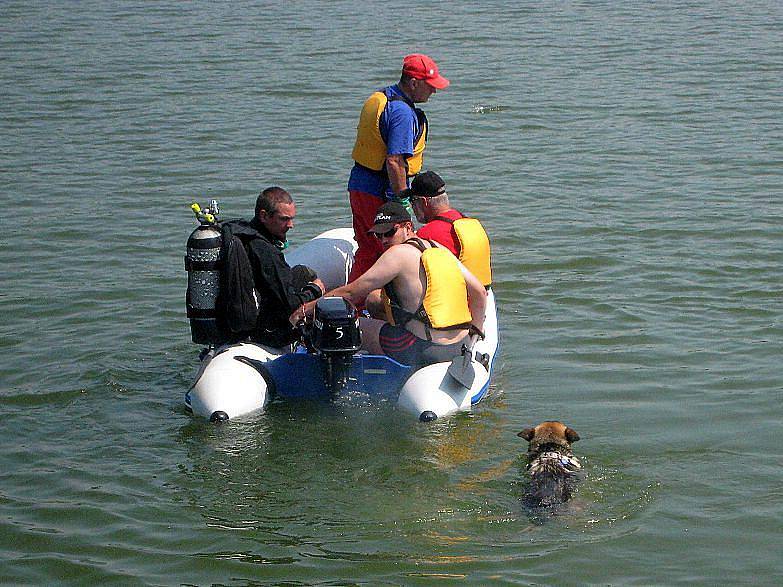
{"points": [[281, 289]]}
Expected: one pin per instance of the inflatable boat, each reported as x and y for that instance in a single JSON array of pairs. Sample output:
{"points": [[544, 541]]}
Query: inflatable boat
{"points": [[240, 379]]}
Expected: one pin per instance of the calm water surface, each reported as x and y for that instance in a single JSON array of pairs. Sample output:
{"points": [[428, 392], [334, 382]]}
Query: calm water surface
{"points": [[630, 176]]}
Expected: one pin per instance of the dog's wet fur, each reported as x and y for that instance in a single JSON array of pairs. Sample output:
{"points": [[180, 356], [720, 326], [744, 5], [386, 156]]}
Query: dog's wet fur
{"points": [[551, 465]]}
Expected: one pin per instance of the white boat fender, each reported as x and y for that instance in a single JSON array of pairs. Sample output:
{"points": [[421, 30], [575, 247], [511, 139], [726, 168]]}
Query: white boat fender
{"points": [[260, 366], [225, 387]]}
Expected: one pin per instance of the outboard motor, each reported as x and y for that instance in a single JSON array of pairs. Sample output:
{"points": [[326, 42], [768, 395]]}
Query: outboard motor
{"points": [[202, 264], [335, 337]]}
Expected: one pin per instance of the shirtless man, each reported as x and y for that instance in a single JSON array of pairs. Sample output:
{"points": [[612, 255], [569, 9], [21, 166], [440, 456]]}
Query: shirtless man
{"points": [[428, 321]]}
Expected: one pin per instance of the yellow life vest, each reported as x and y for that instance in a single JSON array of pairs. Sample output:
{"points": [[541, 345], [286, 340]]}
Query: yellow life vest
{"points": [[370, 148], [445, 304], [474, 250]]}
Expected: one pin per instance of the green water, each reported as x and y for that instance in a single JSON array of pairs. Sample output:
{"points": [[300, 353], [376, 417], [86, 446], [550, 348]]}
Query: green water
{"points": [[628, 164]]}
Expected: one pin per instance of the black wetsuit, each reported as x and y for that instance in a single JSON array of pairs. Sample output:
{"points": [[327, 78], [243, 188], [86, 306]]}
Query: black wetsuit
{"points": [[281, 290]]}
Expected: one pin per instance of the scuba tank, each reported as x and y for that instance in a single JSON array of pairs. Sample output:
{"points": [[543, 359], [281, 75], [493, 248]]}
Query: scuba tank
{"points": [[202, 264]]}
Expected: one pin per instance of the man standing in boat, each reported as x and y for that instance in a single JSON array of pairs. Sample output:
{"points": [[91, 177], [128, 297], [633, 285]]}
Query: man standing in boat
{"points": [[465, 237], [281, 289], [431, 300], [389, 149]]}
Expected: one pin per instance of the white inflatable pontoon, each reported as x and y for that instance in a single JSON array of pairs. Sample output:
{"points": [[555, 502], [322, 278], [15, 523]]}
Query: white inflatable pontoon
{"points": [[240, 379]]}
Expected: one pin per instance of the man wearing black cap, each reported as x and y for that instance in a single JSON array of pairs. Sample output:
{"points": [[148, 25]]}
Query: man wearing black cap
{"points": [[431, 300], [463, 236]]}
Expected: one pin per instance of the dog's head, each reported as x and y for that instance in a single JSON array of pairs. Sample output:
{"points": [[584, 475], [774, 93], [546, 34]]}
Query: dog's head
{"points": [[549, 433]]}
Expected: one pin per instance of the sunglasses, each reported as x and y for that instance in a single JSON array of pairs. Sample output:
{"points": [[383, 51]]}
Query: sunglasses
{"points": [[388, 233]]}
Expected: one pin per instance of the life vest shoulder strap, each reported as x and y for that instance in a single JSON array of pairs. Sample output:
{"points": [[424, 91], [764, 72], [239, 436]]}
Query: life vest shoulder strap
{"points": [[420, 116], [451, 220], [418, 243], [397, 98]]}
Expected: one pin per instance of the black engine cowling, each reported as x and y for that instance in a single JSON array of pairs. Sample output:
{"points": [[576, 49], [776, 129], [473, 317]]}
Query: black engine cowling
{"points": [[336, 326], [335, 335]]}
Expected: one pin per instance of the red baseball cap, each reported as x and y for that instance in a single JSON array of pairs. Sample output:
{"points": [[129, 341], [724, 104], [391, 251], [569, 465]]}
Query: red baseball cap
{"points": [[422, 67]]}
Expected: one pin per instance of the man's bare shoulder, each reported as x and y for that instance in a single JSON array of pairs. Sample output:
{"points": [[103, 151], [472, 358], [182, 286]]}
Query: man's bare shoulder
{"points": [[400, 253]]}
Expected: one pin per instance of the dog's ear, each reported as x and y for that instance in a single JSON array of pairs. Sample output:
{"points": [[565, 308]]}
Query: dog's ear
{"points": [[571, 435], [527, 434]]}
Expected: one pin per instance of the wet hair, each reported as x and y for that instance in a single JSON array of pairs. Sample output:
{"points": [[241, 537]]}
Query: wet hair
{"points": [[270, 198]]}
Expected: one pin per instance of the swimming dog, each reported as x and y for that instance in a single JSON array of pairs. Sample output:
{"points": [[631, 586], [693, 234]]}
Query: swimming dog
{"points": [[550, 463]]}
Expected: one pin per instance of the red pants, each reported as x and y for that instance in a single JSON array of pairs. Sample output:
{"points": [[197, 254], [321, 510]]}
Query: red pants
{"points": [[364, 207]]}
